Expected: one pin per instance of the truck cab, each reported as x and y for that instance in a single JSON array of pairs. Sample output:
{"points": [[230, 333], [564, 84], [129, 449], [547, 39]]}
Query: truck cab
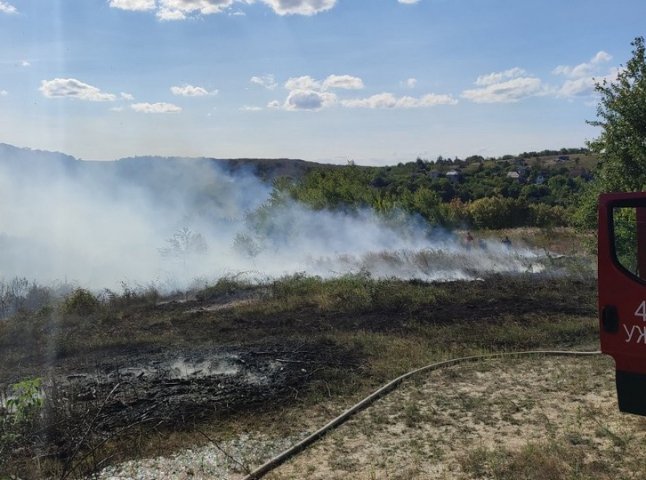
{"points": [[622, 293]]}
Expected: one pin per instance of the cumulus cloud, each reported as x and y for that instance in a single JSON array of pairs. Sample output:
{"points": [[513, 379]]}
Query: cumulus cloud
{"points": [[127, 96], [308, 93], [3, 93], [73, 88], [408, 2], [266, 81], [576, 87], [299, 7], [302, 83], [584, 69], [159, 107], [183, 9], [584, 86], [581, 78], [497, 77], [191, 91], [505, 87], [388, 100], [25, 63], [346, 82], [250, 108], [409, 83], [134, 5], [309, 100], [6, 7]]}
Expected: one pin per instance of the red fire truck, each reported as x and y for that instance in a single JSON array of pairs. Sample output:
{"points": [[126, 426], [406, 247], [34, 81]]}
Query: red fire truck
{"points": [[622, 293]]}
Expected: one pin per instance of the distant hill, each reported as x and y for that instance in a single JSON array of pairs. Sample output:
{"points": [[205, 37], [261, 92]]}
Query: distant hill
{"points": [[42, 161]]}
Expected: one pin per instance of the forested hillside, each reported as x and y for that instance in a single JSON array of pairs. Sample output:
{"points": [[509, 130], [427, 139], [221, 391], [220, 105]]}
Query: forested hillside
{"points": [[530, 189]]}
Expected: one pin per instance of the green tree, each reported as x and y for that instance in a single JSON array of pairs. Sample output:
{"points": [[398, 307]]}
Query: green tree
{"points": [[621, 115]]}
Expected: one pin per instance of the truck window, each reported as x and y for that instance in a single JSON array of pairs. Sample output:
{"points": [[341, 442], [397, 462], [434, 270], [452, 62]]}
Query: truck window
{"points": [[629, 239]]}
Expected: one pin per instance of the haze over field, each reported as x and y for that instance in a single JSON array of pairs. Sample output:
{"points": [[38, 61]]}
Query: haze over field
{"points": [[169, 222]]}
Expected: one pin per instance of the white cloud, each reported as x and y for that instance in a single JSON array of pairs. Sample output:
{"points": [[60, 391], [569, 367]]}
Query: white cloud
{"points": [[25, 63], [508, 91], [127, 96], [409, 83], [302, 83], [498, 77], [191, 91], [73, 88], [266, 81], [183, 9], [274, 104], [7, 8], [307, 93], [116, 109], [585, 86], [576, 87], [388, 100], [308, 100], [3, 93], [299, 7], [134, 5], [250, 108], [346, 82], [585, 69], [159, 107], [408, 2], [581, 78]]}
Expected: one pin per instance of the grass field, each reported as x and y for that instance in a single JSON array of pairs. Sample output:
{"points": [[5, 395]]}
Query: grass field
{"points": [[267, 362]]}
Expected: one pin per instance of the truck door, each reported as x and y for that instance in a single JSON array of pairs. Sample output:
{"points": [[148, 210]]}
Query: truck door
{"points": [[622, 293]]}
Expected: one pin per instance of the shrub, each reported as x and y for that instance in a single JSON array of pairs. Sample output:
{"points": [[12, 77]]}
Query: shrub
{"points": [[81, 302], [498, 212]]}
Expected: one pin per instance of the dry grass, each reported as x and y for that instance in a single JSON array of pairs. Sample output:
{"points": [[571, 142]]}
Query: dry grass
{"points": [[535, 419]]}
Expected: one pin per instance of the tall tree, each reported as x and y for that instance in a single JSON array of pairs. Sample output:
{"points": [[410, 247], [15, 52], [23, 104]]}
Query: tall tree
{"points": [[621, 115]]}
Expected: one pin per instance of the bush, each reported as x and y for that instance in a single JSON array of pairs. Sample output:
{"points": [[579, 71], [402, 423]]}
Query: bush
{"points": [[498, 212], [81, 302], [542, 215]]}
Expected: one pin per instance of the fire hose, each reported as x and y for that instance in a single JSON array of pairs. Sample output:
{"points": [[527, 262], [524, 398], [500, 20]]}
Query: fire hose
{"points": [[390, 386]]}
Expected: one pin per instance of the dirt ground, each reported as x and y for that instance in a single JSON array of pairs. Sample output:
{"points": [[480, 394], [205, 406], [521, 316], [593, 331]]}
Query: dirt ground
{"points": [[217, 385], [534, 418]]}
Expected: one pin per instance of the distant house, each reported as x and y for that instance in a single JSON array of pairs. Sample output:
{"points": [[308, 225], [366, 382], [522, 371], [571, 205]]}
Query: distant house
{"points": [[514, 176], [539, 180], [453, 176]]}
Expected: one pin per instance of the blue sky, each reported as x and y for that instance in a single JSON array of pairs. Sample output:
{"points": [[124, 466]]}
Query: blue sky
{"points": [[374, 81]]}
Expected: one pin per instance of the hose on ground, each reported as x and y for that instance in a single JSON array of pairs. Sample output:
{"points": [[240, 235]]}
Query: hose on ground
{"points": [[367, 401]]}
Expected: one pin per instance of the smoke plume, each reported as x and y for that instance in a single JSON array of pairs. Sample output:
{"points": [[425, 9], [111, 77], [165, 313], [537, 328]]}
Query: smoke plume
{"points": [[168, 222]]}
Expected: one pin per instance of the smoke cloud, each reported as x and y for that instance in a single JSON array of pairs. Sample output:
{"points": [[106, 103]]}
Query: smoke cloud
{"points": [[168, 222]]}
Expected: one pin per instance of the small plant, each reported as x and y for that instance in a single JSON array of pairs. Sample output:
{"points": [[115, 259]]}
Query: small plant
{"points": [[25, 400], [20, 411]]}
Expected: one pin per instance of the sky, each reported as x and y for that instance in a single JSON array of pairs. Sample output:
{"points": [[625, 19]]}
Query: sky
{"points": [[373, 81]]}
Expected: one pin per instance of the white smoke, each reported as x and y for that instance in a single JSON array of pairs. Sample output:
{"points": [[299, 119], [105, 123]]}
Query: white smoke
{"points": [[168, 222]]}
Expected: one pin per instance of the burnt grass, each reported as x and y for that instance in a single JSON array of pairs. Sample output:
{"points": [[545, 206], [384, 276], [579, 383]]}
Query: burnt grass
{"points": [[148, 364]]}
